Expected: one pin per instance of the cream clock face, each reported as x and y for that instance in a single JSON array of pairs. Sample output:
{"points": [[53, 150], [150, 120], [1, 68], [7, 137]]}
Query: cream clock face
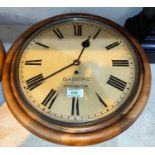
{"points": [[77, 71]]}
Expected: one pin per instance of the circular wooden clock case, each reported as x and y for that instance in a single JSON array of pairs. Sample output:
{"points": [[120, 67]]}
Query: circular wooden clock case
{"points": [[76, 79]]}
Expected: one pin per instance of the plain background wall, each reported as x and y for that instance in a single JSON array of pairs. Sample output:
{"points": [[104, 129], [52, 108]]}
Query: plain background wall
{"points": [[29, 16]]}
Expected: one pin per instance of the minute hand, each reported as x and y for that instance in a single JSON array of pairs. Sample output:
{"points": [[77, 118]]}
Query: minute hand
{"points": [[85, 44], [59, 70]]}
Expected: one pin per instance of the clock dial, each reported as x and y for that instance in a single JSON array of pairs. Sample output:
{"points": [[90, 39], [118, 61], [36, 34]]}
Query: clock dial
{"points": [[77, 71], [76, 79]]}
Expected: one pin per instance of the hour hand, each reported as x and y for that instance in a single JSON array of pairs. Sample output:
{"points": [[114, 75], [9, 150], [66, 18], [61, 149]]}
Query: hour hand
{"points": [[85, 44]]}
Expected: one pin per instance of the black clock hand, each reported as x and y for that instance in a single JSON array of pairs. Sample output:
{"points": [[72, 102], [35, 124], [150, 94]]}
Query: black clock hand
{"points": [[59, 71], [75, 62], [85, 44]]}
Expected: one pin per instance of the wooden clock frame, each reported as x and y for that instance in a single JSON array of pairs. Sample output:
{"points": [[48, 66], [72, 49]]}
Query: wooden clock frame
{"points": [[68, 137]]}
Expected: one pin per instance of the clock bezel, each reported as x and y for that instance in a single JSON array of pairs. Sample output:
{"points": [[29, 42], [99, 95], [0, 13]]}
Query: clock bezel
{"points": [[65, 125], [12, 96]]}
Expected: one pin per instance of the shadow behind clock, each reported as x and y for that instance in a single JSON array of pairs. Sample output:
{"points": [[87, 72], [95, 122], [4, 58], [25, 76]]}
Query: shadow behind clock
{"points": [[142, 27]]}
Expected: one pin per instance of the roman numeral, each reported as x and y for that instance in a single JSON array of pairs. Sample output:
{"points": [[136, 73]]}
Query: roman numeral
{"points": [[50, 98], [78, 30], [33, 62], [40, 44], [34, 81], [112, 45], [58, 33], [97, 33], [120, 63], [117, 83], [100, 99], [75, 106]]}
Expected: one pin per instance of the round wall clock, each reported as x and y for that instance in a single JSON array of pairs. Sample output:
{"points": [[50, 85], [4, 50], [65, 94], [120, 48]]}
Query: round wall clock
{"points": [[76, 79], [2, 57]]}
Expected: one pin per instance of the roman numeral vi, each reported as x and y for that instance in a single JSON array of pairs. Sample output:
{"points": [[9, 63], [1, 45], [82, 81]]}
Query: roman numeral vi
{"points": [[75, 106]]}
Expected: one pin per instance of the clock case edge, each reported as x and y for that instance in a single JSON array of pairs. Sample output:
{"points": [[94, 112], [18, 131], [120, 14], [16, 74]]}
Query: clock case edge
{"points": [[2, 58], [59, 125], [72, 138]]}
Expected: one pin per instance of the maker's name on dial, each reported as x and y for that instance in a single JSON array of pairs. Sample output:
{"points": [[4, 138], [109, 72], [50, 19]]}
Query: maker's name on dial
{"points": [[76, 86], [77, 79]]}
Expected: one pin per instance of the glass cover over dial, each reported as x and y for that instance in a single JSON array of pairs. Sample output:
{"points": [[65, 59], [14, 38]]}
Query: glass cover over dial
{"points": [[77, 71]]}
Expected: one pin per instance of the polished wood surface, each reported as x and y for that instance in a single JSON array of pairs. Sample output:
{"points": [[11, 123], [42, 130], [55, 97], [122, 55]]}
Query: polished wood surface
{"points": [[2, 58], [48, 130]]}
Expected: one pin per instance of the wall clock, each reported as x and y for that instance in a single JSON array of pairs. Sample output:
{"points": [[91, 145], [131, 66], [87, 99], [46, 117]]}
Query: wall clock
{"points": [[76, 79]]}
